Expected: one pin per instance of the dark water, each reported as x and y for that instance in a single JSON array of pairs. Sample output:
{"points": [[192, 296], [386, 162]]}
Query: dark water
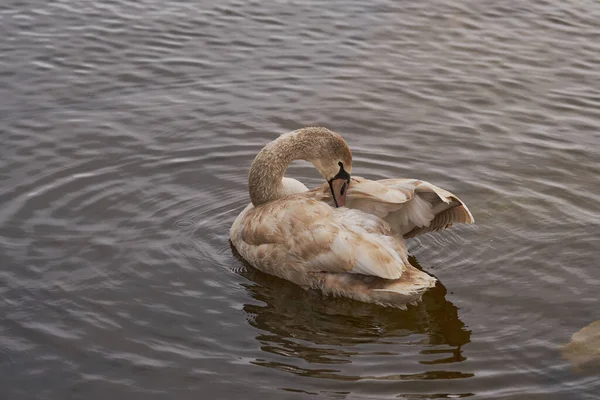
{"points": [[127, 128]]}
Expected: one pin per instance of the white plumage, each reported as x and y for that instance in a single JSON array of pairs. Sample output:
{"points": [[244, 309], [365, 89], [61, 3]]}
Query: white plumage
{"points": [[356, 251]]}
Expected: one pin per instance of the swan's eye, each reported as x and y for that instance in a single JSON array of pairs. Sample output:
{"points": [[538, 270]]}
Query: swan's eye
{"points": [[343, 189]]}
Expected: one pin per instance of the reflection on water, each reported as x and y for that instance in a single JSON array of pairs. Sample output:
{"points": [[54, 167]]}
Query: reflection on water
{"points": [[127, 131], [327, 332]]}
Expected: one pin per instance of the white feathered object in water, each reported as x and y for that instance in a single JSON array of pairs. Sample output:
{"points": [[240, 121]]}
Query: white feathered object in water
{"points": [[345, 237]]}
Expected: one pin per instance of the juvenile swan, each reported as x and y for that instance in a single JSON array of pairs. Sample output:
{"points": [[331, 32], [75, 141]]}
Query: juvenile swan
{"points": [[345, 237]]}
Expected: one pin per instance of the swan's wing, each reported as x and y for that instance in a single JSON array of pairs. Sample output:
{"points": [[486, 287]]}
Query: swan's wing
{"points": [[430, 209], [410, 206], [306, 233]]}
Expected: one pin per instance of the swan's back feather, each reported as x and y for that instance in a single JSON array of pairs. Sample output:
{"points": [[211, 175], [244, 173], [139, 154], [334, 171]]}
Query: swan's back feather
{"points": [[300, 230]]}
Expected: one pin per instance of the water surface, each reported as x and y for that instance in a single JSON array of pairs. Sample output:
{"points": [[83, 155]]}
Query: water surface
{"points": [[127, 131]]}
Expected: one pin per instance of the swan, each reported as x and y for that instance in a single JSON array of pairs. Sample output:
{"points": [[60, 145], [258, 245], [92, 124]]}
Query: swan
{"points": [[346, 237]]}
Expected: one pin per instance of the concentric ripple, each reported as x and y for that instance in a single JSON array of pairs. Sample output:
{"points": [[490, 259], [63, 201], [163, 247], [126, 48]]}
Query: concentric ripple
{"points": [[127, 132]]}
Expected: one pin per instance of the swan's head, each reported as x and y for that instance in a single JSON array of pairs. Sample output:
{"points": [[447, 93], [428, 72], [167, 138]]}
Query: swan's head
{"points": [[339, 185], [334, 161]]}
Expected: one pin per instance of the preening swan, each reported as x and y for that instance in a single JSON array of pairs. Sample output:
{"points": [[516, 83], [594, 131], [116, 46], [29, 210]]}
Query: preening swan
{"points": [[345, 237]]}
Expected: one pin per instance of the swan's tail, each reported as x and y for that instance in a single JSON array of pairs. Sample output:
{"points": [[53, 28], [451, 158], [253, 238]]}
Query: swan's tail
{"points": [[397, 293]]}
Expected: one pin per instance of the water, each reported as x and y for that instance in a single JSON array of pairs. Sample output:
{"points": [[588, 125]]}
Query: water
{"points": [[127, 131]]}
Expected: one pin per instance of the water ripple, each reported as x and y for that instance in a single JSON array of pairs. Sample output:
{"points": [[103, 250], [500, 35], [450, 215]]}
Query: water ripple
{"points": [[128, 129]]}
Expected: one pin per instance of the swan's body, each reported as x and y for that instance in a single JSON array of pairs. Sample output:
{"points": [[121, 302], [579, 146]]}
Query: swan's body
{"points": [[356, 251]]}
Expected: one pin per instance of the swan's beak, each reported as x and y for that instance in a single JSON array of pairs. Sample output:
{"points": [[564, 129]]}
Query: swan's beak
{"points": [[339, 188]]}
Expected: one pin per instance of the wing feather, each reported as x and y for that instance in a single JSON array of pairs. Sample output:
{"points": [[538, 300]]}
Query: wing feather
{"points": [[321, 239], [411, 207]]}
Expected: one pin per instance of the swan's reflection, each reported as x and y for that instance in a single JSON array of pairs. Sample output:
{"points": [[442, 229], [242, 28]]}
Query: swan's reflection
{"points": [[299, 327]]}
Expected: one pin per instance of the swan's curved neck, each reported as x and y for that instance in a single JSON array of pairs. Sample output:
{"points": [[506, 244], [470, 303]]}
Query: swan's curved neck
{"points": [[269, 166]]}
